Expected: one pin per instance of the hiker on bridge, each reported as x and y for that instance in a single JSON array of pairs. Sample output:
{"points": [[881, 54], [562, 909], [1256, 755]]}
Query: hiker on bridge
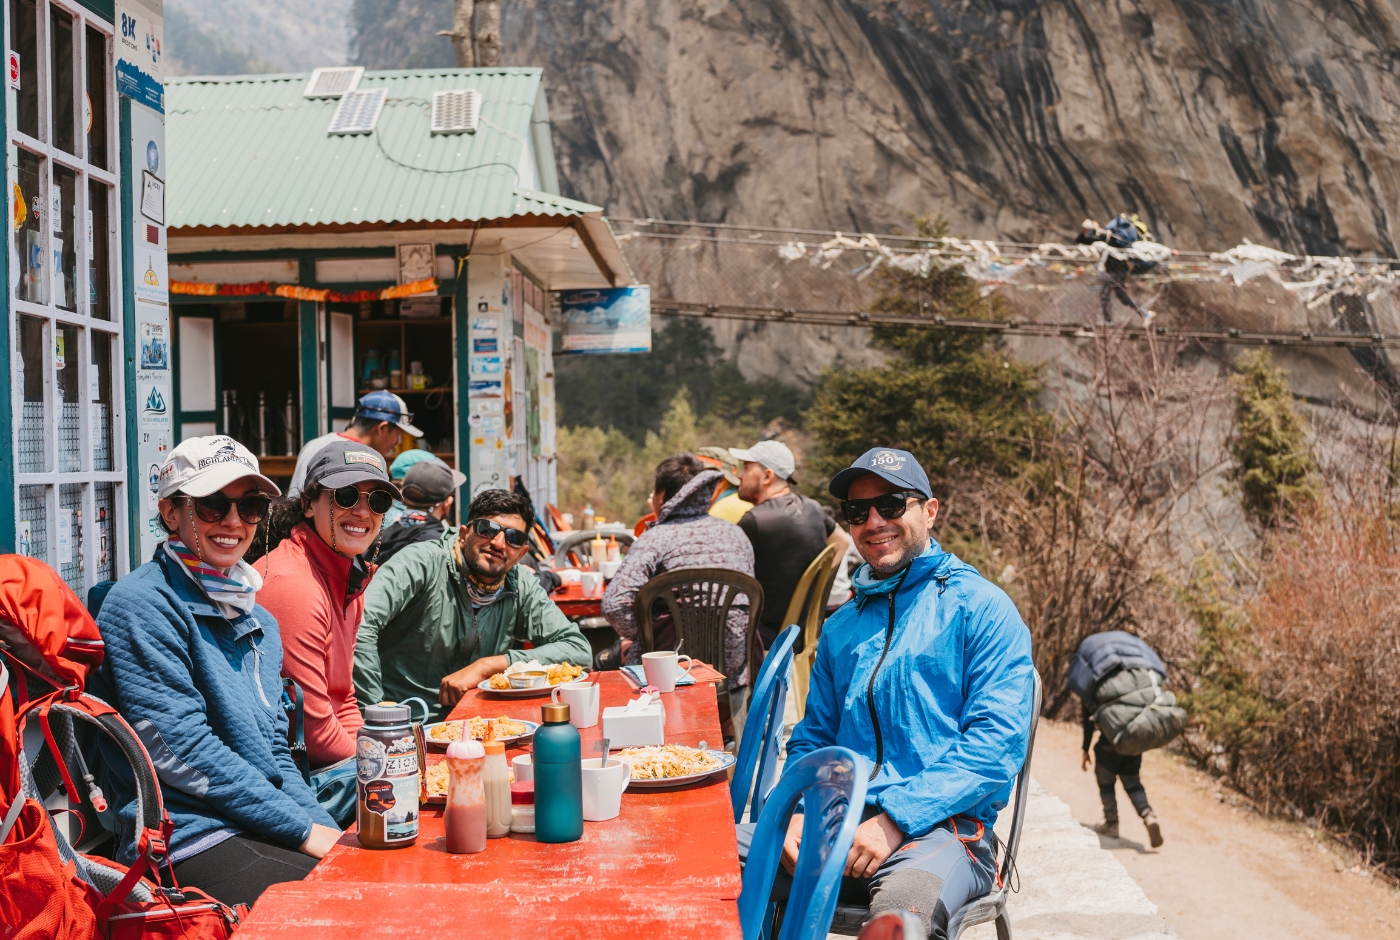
{"points": [[1119, 233], [1118, 678]]}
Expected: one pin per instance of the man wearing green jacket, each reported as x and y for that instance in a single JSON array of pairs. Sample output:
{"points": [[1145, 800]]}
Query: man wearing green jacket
{"points": [[440, 617]]}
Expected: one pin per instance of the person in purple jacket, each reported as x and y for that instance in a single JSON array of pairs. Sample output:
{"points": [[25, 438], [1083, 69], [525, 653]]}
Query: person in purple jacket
{"points": [[684, 535]]}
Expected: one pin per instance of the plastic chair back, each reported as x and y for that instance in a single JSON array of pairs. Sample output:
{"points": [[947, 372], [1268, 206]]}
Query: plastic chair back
{"points": [[763, 729], [699, 601], [831, 783], [814, 615], [801, 600]]}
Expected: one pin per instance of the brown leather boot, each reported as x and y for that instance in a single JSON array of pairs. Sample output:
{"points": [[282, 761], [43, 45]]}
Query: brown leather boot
{"points": [[1107, 828], [1154, 831]]}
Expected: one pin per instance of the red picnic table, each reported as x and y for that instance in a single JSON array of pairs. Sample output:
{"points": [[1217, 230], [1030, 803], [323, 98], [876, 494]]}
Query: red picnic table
{"points": [[575, 604], [668, 865]]}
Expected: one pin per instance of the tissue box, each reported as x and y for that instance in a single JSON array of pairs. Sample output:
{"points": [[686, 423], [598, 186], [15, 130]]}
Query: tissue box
{"points": [[636, 727]]}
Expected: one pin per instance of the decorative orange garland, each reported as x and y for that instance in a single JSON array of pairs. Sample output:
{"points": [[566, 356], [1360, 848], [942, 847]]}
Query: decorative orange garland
{"points": [[293, 292]]}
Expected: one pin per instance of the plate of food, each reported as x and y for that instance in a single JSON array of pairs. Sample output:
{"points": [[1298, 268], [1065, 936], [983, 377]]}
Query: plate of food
{"points": [[672, 765], [527, 680], [437, 777], [503, 729]]}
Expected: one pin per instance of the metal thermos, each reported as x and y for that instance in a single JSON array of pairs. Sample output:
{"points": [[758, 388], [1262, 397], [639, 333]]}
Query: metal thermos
{"points": [[230, 398], [558, 765], [289, 423], [262, 424]]}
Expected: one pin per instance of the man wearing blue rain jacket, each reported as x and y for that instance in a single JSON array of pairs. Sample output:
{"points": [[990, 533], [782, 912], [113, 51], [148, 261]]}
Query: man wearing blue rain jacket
{"points": [[927, 674]]}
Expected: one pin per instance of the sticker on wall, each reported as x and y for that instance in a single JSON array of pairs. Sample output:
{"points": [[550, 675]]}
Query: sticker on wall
{"points": [[484, 388], [153, 487], [24, 538], [474, 419], [155, 347], [154, 404], [140, 57], [153, 197], [485, 366], [63, 551], [485, 345], [479, 324], [150, 279]]}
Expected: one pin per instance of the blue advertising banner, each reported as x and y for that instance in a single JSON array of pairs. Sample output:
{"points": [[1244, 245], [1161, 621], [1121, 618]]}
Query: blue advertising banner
{"points": [[616, 320]]}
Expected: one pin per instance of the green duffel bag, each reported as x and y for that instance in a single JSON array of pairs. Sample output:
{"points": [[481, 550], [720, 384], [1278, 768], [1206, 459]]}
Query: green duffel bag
{"points": [[1135, 713]]}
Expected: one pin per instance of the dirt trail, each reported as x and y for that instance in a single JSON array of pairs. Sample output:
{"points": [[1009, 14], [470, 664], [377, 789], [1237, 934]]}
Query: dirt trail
{"points": [[1225, 872]]}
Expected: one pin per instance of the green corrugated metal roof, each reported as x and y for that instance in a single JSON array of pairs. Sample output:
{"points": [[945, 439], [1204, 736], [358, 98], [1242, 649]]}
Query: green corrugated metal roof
{"points": [[251, 151]]}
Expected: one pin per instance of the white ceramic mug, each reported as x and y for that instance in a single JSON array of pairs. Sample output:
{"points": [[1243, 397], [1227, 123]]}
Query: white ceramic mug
{"points": [[524, 768], [662, 669], [582, 699], [592, 583], [603, 784]]}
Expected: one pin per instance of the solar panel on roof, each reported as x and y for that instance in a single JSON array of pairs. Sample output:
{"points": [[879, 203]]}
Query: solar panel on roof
{"points": [[456, 112], [333, 82], [357, 112]]}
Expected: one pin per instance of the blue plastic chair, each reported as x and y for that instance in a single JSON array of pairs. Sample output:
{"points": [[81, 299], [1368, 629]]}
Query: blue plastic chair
{"points": [[763, 729], [831, 785]]}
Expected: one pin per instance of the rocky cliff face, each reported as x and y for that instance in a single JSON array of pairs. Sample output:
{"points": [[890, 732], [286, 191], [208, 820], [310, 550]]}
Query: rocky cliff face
{"points": [[1217, 120]]}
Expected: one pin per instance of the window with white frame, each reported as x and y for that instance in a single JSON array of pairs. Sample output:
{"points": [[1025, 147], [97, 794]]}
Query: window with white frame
{"points": [[65, 309]]}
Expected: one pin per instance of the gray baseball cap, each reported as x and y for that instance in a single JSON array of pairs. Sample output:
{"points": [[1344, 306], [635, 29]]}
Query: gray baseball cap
{"points": [[774, 455], [429, 482], [345, 463]]}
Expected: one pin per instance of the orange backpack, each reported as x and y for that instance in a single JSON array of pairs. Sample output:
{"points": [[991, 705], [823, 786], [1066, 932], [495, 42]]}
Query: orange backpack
{"points": [[49, 644]]}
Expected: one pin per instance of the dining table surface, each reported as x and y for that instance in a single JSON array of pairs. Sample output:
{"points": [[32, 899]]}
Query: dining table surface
{"points": [[575, 603], [668, 860]]}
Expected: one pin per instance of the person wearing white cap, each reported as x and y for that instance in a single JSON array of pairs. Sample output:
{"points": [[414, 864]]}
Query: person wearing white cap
{"points": [[787, 530], [381, 420], [193, 663]]}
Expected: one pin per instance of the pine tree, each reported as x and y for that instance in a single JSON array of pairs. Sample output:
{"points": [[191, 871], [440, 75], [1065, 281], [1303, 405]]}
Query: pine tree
{"points": [[1274, 469]]}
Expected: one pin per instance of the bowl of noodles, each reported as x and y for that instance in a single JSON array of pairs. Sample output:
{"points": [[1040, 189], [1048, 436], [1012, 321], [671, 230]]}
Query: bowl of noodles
{"points": [[503, 729], [672, 765]]}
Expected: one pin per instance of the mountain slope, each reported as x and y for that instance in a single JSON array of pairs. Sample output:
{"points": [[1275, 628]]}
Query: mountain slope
{"points": [[1216, 119]]}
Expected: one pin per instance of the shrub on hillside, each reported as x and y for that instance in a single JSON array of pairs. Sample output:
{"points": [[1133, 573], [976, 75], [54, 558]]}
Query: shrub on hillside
{"points": [[1327, 625], [1274, 469]]}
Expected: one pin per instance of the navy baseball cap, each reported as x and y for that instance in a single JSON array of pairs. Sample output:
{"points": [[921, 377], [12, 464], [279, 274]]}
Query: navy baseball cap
{"points": [[386, 406], [897, 466]]}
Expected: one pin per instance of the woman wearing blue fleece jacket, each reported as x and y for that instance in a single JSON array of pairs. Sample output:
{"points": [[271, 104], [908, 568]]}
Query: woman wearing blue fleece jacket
{"points": [[194, 665]]}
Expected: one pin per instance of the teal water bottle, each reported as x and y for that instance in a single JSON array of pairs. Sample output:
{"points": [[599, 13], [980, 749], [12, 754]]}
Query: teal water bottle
{"points": [[558, 778]]}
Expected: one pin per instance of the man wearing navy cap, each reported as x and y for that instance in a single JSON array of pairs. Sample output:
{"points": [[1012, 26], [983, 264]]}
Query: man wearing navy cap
{"points": [[381, 420], [927, 674]]}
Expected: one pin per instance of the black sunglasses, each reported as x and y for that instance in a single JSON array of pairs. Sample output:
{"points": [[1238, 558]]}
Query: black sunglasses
{"points": [[252, 508], [485, 528], [890, 506], [347, 497]]}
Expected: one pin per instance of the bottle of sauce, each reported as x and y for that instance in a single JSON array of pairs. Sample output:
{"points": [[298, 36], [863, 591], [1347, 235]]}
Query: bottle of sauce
{"points": [[558, 778], [588, 516], [386, 778], [614, 550], [597, 553], [495, 778], [522, 806], [466, 798]]}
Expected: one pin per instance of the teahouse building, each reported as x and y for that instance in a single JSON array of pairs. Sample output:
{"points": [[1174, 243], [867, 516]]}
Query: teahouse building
{"points": [[349, 230]]}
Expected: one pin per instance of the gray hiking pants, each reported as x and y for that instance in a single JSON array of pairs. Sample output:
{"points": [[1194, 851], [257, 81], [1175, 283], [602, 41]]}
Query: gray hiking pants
{"points": [[932, 875]]}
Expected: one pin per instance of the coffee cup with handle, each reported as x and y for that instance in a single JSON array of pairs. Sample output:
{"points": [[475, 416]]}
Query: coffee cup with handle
{"points": [[604, 779], [663, 669], [582, 699]]}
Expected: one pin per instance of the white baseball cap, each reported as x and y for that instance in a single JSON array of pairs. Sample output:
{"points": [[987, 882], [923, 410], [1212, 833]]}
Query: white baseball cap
{"points": [[774, 455], [203, 465]]}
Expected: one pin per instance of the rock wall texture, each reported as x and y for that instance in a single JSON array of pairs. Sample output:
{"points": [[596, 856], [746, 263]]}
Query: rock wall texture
{"points": [[1216, 119]]}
